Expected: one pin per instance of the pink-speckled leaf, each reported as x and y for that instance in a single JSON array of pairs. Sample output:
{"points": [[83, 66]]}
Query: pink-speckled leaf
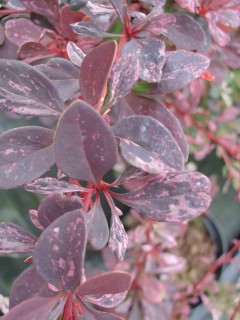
{"points": [[92, 149], [75, 54], [151, 55], [124, 75], [171, 197], [33, 214], [131, 174], [28, 285], [46, 8], [49, 185], [153, 108], [148, 145], [60, 250], [189, 5], [55, 205], [118, 239], [25, 154], [22, 30], [90, 29], [64, 75], [180, 69], [36, 308], [106, 283], [33, 51], [107, 300], [91, 314], [185, 33], [15, 239], [156, 25], [98, 230], [121, 8], [2, 35], [95, 70], [26, 91]]}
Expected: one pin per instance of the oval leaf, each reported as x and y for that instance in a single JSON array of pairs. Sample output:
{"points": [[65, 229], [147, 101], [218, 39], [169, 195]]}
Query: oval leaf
{"points": [[75, 54], [60, 250], [85, 147], [26, 153], [46, 8]]}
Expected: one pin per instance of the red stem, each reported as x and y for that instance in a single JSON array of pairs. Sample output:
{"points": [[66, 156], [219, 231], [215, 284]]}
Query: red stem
{"points": [[236, 311]]}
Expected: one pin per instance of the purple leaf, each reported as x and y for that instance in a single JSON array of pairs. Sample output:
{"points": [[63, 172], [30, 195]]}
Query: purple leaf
{"points": [[231, 54], [98, 230], [91, 151], [64, 75], [49, 185], [33, 214], [180, 69], [33, 51], [68, 16], [90, 29], [157, 24], [106, 283], [36, 308], [56, 205], [121, 8], [15, 239], [118, 239], [75, 54], [28, 285], [148, 145], [46, 8], [107, 300], [170, 197], [91, 314], [93, 74], [151, 55], [124, 75], [26, 91], [2, 35], [148, 107], [22, 30], [26, 153], [60, 250]]}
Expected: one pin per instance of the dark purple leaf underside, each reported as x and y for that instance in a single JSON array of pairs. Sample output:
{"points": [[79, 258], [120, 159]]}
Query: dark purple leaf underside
{"points": [[85, 146], [91, 314], [26, 91], [186, 33], [28, 285], [121, 8], [95, 70], [171, 197], [148, 145], [49, 185], [180, 69], [2, 35], [25, 154], [106, 283], [60, 250], [36, 308], [15, 239], [55, 205], [22, 30], [148, 107], [47, 8], [75, 54], [33, 214], [98, 230], [124, 75]]}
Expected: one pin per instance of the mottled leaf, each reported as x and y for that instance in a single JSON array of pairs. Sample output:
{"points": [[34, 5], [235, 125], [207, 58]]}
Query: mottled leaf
{"points": [[98, 230], [91, 314], [26, 153], [33, 214], [95, 70], [171, 197], [106, 283], [107, 300], [75, 54], [91, 151], [28, 285], [121, 8], [180, 69], [15, 239], [148, 145], [2, 35], [156, 24], [149, 107], [26, 91], [49, 185], [53, 259], [88, 28], [46, 8], [131, 174], [55, 205]]}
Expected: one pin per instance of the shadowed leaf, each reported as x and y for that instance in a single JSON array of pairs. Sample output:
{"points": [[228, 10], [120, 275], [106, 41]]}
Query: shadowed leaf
{"points": [[47, 8], [2, 35]]}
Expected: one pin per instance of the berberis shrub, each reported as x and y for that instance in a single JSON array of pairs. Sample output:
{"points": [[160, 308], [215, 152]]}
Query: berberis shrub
{"points": [[103, 71]]}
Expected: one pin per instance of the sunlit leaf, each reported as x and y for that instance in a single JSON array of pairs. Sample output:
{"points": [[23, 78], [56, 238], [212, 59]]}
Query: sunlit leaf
{"points": [[75, 54]]}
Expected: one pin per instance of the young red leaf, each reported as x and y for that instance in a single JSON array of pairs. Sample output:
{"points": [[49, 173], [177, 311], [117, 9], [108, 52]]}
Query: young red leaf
{"points": [[170, 197], [75, 54], [98, 230], [26, 153], [180, 69], [60, 251], [121, 8], [146, 144], [106, 283], [85, 146], [95, 70], [26, 91], [55, 205], [15, 239], [46, 8]]}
